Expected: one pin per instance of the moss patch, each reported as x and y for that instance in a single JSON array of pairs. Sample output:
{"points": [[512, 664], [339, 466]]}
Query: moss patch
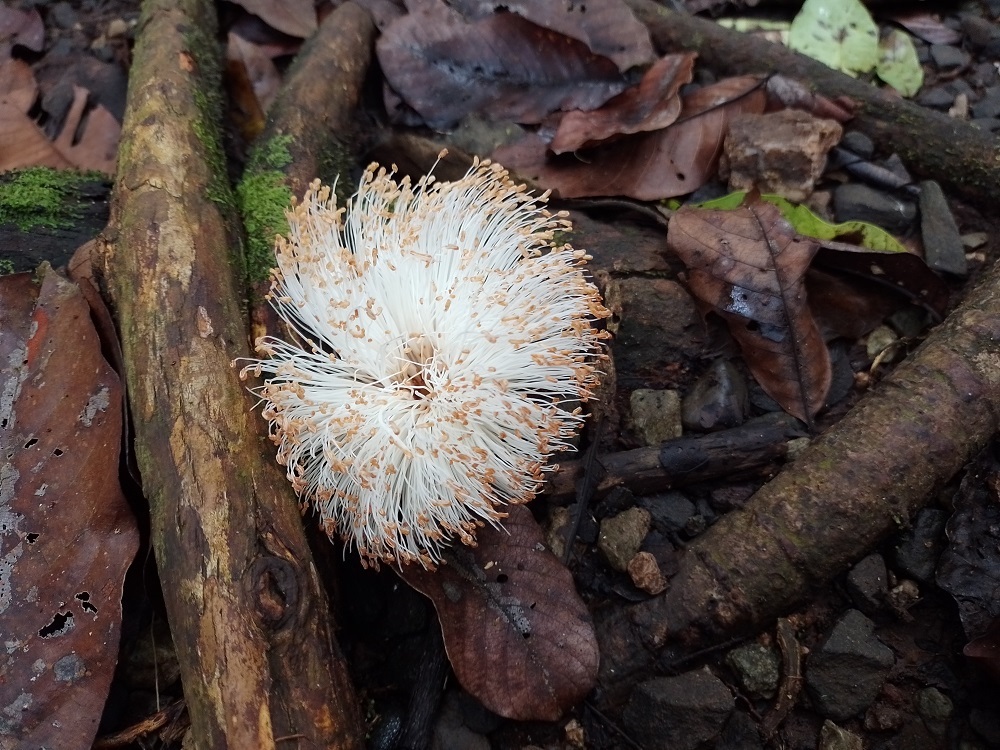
{"points": [[263, 197], [42, 197]]}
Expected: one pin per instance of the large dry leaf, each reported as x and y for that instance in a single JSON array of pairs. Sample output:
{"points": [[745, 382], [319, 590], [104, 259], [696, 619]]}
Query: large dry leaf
{"points": [[88, 140], [749, 266], [651, 105], [647, 166], [517, 634], [607, 27], [66, 533], [502, 66], [293, 17]]}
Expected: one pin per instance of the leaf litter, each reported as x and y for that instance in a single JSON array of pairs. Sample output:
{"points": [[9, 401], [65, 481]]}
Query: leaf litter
{"points": [[67, 535]]}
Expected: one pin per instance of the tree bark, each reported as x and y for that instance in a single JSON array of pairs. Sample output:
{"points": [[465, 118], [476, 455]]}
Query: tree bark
{"points": [[959, 156], [249, 617]]}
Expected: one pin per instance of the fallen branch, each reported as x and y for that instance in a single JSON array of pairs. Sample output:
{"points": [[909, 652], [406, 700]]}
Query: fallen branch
{"points": [[959, 156], [250, 620], [683, 461]]}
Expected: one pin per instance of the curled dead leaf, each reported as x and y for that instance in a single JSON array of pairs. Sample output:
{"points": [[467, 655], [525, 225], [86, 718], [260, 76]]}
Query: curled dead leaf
{"points": [[749, 266], [518, 636]]}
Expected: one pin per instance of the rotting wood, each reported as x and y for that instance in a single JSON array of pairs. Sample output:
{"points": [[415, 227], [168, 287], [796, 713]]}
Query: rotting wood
{"points": [[250, 620], [961, 157]]}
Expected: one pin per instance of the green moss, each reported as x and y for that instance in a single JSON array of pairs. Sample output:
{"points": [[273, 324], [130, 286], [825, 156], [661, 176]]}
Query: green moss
{"points": [[6, 266], [42, 197], [263, 197]]}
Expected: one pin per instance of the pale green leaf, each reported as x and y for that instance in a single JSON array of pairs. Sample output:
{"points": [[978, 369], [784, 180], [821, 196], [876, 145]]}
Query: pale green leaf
{"points": [[838, 33], [898, 64], [806, 223]]}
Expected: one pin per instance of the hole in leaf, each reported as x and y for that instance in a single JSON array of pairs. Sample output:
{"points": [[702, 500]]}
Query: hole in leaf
{"points": [[502, 578], [31, 537], [57, 452], [61, 624], [84, 598], [31, 442]]}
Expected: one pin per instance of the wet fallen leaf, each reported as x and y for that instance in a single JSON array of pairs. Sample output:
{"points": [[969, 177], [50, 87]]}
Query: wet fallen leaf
{"points": [[252, 82], [66, 533], [904, 273], [838, 33], [651, 105], [502, 65], [926, 26], [292, 17], [898, 64], [749, 267], [606, 27], [517, 634], [648, 166]]}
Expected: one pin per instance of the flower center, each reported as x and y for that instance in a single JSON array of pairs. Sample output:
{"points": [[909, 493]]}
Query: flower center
{"points": [[418, 354]]}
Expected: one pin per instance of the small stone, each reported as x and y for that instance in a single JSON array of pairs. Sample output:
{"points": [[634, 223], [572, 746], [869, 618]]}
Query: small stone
{"points": [[678, 713], [117, 28], [660, 324], [978, 31], [879, 340], [656, 415], [943, 250], [935, 708], [645, 574], [894, 163], [936, 97], [756, 668], [917, 552], [868, 584], [832, 737], [63, 15], [781, 152], [946, 57], [451, 731], [858, 143], [989, 105], [670, 511], [975, 240], [575, 734], [718, 399], [740, 733], [845, 674], [858, 202], [621, 536], [882, 718]]}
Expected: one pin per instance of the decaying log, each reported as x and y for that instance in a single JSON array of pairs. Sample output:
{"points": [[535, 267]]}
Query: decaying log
{"points": [[961, 157], [249, 617]]}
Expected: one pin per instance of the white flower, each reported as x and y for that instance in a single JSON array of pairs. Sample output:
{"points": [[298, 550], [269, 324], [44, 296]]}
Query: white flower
{"points": [[445, 342]]}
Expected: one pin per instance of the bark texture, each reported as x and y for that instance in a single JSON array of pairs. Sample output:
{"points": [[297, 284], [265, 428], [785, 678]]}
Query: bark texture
{"points": [[961, 157], [314, 111], [248, 614]]}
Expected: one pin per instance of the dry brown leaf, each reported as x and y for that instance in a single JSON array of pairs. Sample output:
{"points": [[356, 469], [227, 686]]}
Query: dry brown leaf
{"points": [[607, 27], [517, 634], [20, 27], [293, 17], [647, 166], [651, 105], [748, 266], [66, 533], [24, 144], [502, 66]]}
